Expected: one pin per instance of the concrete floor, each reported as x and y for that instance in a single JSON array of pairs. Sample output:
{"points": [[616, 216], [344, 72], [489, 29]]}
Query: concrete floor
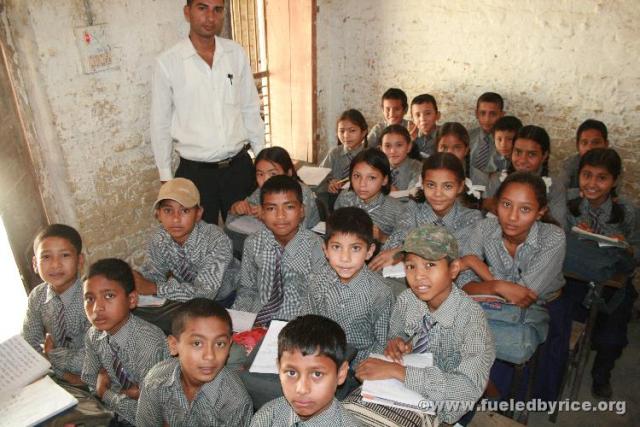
{"points": [[626, 388]]}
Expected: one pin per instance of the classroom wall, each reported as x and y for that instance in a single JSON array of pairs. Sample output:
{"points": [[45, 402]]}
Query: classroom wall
{"points": [[555, 63], [88, 133]]}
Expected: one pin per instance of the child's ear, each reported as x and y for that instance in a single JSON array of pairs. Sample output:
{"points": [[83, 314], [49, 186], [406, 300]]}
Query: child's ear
{"points": [[342, 372], [34, 264], [542, 213], [454, 269], [173, 345], [438, 116], [370, 251], [199, 213], [325, 248], [133, 299]]}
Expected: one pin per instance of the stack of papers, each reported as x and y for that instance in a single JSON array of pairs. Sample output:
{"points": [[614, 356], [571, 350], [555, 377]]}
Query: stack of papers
{"points": [[150, 301], [400, 194], [245, 224], [603, 241], [394, 271], [393, 393], [320, 228], [266, 360], [313, 176]]}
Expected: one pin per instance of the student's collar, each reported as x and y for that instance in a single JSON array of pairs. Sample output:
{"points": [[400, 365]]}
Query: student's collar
{"points": [[446, 314], [531, 239], [51, 293], [354, 281], [188, 50], [277, 244], [357, 150], [323, 419], [604, 208], [449, 217], [122, 336], [377, 200]]}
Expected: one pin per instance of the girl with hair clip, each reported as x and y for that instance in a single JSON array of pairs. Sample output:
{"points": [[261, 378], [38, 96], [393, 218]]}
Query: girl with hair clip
{"points": [[524, 250], [369, 190], [598, 210], [531, 151], [442, 183]]}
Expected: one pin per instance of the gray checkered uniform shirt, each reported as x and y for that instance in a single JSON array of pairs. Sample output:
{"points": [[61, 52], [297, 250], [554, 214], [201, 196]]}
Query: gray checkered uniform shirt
{"points": [[538, 261], [339, 162], [141, 344], [209, 252], [279, 413], [409, 173], [383, 210], [426, 143], [462, 345], [459, 221], [362, 307], [629, 227], [222, 402], [300, 256], [41, 318]]}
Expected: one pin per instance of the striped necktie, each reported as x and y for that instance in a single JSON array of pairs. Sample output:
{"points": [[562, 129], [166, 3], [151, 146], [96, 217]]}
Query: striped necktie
{"points": [[118, 368], [422, 343], [594, 219], [185, 273], [439, 222], [345, 171], [61, 327], [482, 155], [394, 176], [277, 294]]}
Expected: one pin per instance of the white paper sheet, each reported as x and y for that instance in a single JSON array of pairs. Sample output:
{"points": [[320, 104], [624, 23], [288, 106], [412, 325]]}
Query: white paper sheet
{"points": [[394, 271], [400, 194], [266, 361], [150, 301], [603, 241], [320, 228], [312, 175], [20, 364], [245, 224], [242, 320]]}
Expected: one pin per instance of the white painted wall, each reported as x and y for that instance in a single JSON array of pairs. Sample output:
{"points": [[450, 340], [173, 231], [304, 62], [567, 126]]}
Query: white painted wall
{"points": [[555, 62]]}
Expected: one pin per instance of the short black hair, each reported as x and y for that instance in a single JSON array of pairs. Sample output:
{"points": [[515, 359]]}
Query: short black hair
{"points": [[593, 124], [62, 231], [314, 335], [508, 123], [492, 98], [350, 220], [425, 98], [397, 129], [198, 308], [115, 270], [398, 95], [281, 184]]}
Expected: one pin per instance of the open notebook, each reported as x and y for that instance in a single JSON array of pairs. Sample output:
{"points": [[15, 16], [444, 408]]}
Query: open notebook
{"points": [[27, 396]]}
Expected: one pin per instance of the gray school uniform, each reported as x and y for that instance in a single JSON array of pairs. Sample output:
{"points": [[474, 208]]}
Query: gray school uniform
{"points": [[458, 221], [140, 346], [477, 140], [537, 264], [461, 343], [311, 215], [41, 318], [222, 402], [556, 195], [300, 257], [426, 143], [373, 138], [339, 160], [569, 176], [279, 413], [195, 269], [407, 175], [383, 210], [629, 227], [362, 307]]}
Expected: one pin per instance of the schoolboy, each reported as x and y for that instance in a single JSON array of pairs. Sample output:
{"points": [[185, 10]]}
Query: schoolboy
{"points": [[425, 115], [504, 135], [489, 108], [396, 145], [345, 290], [195, 388], [590, 134], [120, 348], [394, 107], [186, 257], [433, 316], [277, 260], [312, 364], [54, 323]]}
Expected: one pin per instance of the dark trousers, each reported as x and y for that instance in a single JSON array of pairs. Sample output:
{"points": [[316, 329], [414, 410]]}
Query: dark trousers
{"points": [[219, 186]]}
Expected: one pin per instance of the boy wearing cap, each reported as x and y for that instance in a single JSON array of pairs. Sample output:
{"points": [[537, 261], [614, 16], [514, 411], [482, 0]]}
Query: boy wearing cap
{"points": [[186, 257], [435, 317]]}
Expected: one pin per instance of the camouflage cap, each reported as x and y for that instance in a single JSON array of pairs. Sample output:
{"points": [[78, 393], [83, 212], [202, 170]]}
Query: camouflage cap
{"points": [[181, 190], [430, 242]]}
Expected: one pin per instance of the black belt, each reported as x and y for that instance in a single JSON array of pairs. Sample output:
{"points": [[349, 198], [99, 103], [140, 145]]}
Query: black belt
{"points": [[217, 165]]}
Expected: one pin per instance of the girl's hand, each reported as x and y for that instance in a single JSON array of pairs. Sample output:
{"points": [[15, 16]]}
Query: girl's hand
{"points": [[516, 294], [396, 348], [384, 259], [241, 207], [379, 235], [335, 185], [413, 130], [584, 226]]}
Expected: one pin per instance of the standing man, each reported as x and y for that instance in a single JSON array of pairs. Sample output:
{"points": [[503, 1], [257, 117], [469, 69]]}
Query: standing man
{"points": [[205, 101]]}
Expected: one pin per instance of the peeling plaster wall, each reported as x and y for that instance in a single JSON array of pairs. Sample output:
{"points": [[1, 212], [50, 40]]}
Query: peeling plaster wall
{"points": [[555, 63], [90, 138]]}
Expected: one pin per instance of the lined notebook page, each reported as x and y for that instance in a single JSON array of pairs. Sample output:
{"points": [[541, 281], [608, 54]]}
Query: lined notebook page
{"points": [[20, 365]]}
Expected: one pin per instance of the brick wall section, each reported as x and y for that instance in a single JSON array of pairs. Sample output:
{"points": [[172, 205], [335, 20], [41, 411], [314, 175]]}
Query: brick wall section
{"points": [[556, 63]]}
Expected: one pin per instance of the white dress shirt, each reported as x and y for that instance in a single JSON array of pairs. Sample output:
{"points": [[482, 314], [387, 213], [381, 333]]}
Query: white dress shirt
{"points": [[210, 112]]}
